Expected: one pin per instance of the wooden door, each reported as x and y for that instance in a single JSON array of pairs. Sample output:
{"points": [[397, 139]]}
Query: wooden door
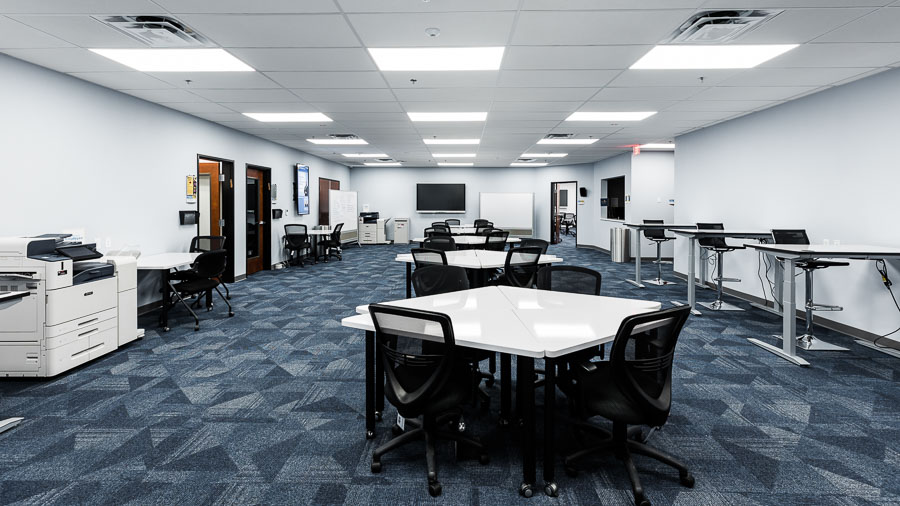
{"points": [[211, 170], [554, 213], [324, 186], [255, 221]]}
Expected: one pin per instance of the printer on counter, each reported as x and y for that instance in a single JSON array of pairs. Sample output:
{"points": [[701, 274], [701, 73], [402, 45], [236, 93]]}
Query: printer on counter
{"points": [[62, 304], [372, 228]]}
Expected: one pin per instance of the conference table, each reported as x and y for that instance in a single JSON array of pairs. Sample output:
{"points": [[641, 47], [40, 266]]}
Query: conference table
{"points": [[473, 259], [165, 262], [693, 236], [790, 254], [638, 228], [530, 324]]}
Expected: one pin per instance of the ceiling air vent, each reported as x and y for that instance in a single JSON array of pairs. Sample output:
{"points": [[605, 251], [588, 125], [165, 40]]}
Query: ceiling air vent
{"points": [[385, 160], [343, 136], [157, 31], [559, 136], [527, 160], [713, 27]]}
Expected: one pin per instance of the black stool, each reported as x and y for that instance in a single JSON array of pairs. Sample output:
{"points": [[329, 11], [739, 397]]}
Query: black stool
{"points": [[657, 235]]}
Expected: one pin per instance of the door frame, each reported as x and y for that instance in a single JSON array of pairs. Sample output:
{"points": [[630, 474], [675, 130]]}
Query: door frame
{"points": [[266, 253], [327, 210], [226, 192], [554, 226]]}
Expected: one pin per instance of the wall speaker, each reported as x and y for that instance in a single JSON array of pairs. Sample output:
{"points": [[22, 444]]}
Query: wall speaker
{"points": [[582, 191]]}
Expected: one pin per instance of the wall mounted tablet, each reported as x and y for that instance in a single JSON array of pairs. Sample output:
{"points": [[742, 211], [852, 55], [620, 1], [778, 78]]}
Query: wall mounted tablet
{"points": [[440, 198], [188, 217]]}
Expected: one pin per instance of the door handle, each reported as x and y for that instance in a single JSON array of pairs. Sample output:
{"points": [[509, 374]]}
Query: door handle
{"points": [[261, 223]]}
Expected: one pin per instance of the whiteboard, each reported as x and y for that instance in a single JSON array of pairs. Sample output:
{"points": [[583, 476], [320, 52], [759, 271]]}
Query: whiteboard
{"points": [[342, 209], [507, 210]]}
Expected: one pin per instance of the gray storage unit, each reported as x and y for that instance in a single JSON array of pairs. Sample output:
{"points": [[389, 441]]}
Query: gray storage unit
{"points": [[401, 230], [619, 244]]}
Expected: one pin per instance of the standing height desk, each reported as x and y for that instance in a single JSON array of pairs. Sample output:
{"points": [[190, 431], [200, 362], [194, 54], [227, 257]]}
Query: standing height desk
{"points": [[790, 254], [692, 236], [165, 262], [638, 228]]}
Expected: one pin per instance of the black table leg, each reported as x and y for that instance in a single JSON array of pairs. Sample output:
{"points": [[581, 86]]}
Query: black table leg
{"points": [[550, 486], [379, 385], [370, 384], [167, 299], [525, 408], [408, 280], [505, 387]]}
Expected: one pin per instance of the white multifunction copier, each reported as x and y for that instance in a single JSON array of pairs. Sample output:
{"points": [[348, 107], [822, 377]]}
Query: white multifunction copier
{"points": [[62, 304]]}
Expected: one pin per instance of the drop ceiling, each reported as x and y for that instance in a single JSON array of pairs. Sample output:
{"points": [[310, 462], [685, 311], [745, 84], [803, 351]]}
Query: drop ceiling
{"points": [[561, 56]]}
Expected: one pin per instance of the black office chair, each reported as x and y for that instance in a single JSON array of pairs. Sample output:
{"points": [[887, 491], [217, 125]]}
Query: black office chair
{"points": [[205, 271], [440, 226], [520, 268], [718, 246], [422, 382], [633, 388], [534, 243], [437, 232], [482, 223], [425, 256], [296, 240], [199, 244], [568, 221], [657, 235], [452, 222], [436, 279], [496, 240], [798, 236], [443, 243], [332, 245], [485, 230], [569, 278]]}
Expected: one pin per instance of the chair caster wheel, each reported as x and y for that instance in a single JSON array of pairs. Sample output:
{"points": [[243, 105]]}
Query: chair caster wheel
{"points": [[165, 329], [571, 472], [378, 416], [370, 434], [196, 328], [687, 480], [484, 459], [376, 467], [551, 489], [230, 314], [489, 382], [526, 490], [461, 427], [434, 489], [229, 297], [503, 422], [640, 500], [396, 430]]}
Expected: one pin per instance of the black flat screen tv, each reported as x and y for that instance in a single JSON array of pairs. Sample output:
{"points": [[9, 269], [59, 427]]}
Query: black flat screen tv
{"points": [[441, 197]]}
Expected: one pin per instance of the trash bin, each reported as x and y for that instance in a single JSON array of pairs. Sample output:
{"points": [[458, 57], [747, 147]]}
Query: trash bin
{"points": [[619, 244]]}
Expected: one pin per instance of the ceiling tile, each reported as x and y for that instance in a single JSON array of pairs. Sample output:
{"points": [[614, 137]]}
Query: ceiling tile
{"points": [[216, 80], [544, 94], [284, 30], [838, 55], [68, 59], [345, 95], [796, 26], [263, 95], [243, 6], [14, 34], [443, 94], [572, 57], [645, 77], [628, 105], [450, 106], [557, 78], [791, 77], [466, 79], [296, 106], [309, 59], [328, 79], [752, 93], [782, 4], [166, 95], [721, 105], [558, 5], [880, 26], [83, 31], [122, 80], [357, 106], [79, 7], [596, 27], [536, 106], [192, 107], [646, 93], [404, 6], [457, 29]]}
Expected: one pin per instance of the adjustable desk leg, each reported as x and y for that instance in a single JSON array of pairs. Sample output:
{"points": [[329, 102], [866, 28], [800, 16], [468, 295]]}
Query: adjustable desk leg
{"points": [[408, 280], [370, 384], [637, 260], [505, 386], [691, 288], [788, 351], [525, 408], [550, 486]]}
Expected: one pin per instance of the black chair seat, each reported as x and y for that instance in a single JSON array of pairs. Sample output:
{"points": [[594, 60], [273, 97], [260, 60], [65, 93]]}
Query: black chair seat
{"points": [[725, 249], [661, 239], [453, 394], [196, 285], [820, 264], [603, 398]]}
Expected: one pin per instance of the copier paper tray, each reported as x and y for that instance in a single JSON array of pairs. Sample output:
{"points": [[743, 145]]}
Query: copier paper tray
{"points": [[85, 272]]}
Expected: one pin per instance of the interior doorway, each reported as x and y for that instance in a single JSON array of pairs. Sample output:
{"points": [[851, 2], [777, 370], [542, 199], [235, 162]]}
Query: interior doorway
{"points": [[563, 211], [259, 228], [215, 203], [324, 186]]}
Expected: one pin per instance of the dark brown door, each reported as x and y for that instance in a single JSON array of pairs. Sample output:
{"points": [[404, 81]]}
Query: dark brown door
{"points": [[554, 213], [324, 186], [211, 170], [255, 221]]}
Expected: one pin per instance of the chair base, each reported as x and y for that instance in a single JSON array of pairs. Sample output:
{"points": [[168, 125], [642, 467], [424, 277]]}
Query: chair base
{"points": [[810, 342], [9, 423], [719, 305], [659, 282]]}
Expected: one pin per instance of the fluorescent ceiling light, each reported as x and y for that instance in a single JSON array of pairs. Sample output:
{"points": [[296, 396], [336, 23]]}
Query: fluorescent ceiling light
{"points": [[710, 57], [667, 146], [447, 116], [610, 116], [544, 155], [382, 164], [365, 155], [451, 141], [567, 141], [528, 164], [288, 117], [437, 58], [336, 141], [453, 155], [176, 60], [456, 164]]}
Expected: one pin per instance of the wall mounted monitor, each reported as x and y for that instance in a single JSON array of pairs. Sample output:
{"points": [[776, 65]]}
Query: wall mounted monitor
{"points": [[441, 197], [301, 188]]}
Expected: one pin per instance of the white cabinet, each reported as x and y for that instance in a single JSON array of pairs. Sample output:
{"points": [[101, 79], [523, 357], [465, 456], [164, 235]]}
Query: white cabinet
{"points": [[401, 230]]}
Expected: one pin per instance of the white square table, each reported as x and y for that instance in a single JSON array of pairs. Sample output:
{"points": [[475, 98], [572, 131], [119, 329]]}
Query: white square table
{"points": [[165, 262]]}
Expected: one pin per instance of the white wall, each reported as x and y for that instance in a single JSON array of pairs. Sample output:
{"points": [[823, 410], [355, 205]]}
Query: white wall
{"points": [[571, 198], [652, 185], [611, 167], [80, 156], [392, 191], [826, 163]]}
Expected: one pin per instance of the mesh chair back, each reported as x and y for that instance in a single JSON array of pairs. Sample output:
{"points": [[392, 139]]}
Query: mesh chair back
{"points": [[483, 223], [435, 279], [712, 242], [452, 222], [203, 243], [425, 256], [641, 360], [484, 230], [210, 264], [434, 232], [654, 233], [496, 240], [441, 242], [413, 377], [569, 218], [336, 233], [441, 227], [296, 236], [521, 266], [569, 278], [535, 243], [790, 236]]}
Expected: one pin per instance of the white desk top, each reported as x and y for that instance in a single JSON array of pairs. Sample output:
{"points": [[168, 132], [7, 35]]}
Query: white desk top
{"points": [[736, 234], [497, 259], [478, 259], [165, 261], [667, 226], [829, 251], [472, 239], [327, 231], [463, 230]]}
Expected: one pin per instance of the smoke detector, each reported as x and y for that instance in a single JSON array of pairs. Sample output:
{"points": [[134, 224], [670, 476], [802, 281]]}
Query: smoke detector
{"points": [[715, 27], [157, 31]]}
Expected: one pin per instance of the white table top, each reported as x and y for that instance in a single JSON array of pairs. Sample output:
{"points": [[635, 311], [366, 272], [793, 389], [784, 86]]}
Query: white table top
{"points": [[736, 234], [472, 239], [667, 226], [478, 259], [165, 261], [326, 231], [829, 251]]}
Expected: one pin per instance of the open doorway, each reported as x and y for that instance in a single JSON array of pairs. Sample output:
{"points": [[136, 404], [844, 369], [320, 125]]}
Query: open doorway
{"points": [[563, 211], [215, 203], [325, 185], [259, 227]]}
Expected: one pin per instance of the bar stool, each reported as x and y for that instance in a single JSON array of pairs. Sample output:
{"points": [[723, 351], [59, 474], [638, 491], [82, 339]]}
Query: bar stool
{"points": [[657, 235], [718, 246], [798, 236]]}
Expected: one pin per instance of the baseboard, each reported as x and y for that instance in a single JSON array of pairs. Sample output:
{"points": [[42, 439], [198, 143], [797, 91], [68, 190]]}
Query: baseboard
{"points": [[591, 246], [240, 277], [820, 320]]}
